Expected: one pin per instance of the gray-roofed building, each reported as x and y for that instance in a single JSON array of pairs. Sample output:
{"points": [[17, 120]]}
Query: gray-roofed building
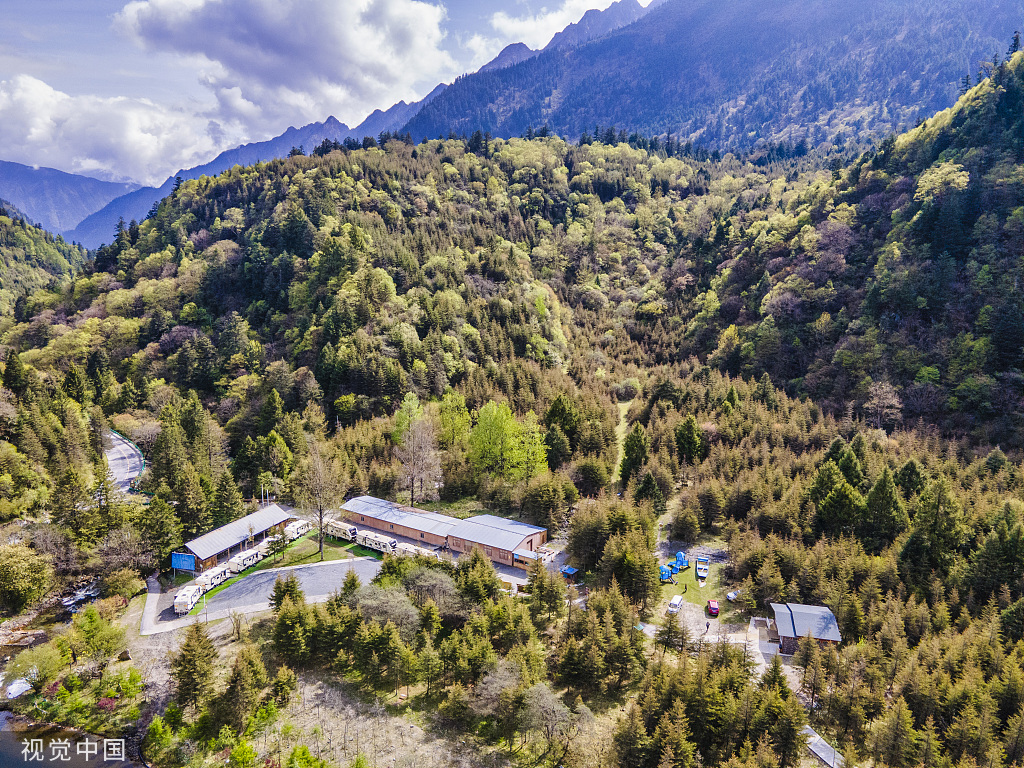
{"points": [[426, 527], [497, 536], [794, 621], [228, 539]]}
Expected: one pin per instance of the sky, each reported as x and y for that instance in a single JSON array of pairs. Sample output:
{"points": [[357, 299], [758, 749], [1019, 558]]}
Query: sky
{"points": [[137, 90]]}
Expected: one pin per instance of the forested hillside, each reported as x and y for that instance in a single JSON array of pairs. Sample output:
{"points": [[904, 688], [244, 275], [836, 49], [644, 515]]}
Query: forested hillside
{"points": [[31, 258], [728, 74], [812, 361]]}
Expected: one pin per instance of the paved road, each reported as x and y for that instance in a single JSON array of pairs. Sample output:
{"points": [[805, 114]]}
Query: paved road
{"points": [[252, 593], [317, 580], [125, 461]]}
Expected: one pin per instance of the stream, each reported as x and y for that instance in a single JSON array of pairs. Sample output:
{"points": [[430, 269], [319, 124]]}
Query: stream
{"points": [[28, 744]]}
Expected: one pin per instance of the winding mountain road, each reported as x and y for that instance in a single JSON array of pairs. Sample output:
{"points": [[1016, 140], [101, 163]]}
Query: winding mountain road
{"points": [[125, 461]]}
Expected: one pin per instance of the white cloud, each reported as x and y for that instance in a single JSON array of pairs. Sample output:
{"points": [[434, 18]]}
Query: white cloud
{"points": [[105, 137], [537, 30], [299, 60]]}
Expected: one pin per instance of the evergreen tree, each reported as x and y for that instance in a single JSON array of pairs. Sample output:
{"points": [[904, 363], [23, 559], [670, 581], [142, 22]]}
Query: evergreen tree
{"points": [[688, 440], [160, 529], [227, 503], [270, 413], [192, 667], [886, 516], [635, 452]]}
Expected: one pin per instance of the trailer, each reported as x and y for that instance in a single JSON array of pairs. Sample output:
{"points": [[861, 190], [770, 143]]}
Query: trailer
{"points": [[186, 599], [411, 550], [243, 560], [297, 528], [703, 567], [211, 578], [341, 530], [377, 541], [264, 546]]}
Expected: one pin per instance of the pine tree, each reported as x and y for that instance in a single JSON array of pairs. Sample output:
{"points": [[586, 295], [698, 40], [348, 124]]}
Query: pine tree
{"points": [[688, 440], [351, 584], [15, 374], [886, 516], [270, 414], [192, 667], [635, 452], [227, 503], [160, 529]]}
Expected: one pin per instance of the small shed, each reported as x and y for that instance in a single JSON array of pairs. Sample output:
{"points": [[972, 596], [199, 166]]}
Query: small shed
{"points": [[794, 621]]}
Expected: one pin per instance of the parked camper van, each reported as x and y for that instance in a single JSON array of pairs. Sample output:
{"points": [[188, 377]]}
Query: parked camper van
{"points": [[211, 578], [297, 528], [243, 560], [341, 530], [186, 599], [264, 546], [377, 541], [411, 550]]}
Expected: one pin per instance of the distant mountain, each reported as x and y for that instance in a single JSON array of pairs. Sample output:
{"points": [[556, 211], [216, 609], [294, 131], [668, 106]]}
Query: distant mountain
{"points": [[595, 24], [98, 228], [510, 55], [55, 199], [729, 74], [394, 117]]}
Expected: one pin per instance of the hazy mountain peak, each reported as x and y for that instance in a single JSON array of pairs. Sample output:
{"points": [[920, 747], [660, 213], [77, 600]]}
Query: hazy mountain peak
{"points": [[509, 56]]}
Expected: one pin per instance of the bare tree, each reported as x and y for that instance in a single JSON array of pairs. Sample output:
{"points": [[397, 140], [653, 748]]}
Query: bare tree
{"points": [[421, 461], [884, 405], [318, 487]]}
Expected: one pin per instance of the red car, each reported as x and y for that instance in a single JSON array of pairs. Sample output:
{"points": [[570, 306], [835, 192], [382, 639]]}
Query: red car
{"points": [[712, 607]]}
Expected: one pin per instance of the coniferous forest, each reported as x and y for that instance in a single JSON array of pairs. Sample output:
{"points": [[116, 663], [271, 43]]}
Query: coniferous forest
{"points": [[805, 359]]}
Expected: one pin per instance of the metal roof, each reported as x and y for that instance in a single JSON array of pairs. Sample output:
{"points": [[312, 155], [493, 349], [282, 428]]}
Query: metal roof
{"points": [[525, 553], [502, 537], [795, 620], [396, 514], [237, 531], [487, 530]]}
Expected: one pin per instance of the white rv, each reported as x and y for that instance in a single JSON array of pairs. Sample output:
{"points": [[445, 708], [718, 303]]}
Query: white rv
{"points": [[264, 546], [411, 550], [341, 530], [377, 541], [186, 599], [296, 528], [211, 578], [243, 560]]}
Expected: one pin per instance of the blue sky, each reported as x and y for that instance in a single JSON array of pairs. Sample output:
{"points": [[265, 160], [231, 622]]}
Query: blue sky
{"points": [[137, 89]]}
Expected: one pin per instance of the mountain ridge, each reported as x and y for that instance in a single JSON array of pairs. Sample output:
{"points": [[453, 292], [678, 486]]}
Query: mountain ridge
{"points": [[55, 199], [730, 75]]}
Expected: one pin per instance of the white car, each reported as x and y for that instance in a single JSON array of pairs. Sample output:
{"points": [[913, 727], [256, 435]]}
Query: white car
{"points": [[675, 603], [731, 597]]}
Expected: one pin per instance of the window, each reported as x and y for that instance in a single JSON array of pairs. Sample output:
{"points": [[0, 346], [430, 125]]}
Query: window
{"points": [[391, 526], [421, 535], [488, 551]]}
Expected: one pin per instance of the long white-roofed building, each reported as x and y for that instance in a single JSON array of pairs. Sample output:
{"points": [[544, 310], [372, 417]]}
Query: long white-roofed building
{"points": [[499, 538]]}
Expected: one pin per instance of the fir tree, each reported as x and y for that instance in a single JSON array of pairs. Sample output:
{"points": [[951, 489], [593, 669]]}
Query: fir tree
{"points": [[192, 667]]}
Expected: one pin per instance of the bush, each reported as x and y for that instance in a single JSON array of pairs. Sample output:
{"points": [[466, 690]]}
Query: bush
{"points": [[24, 576], [123, 583], [38, 666]]}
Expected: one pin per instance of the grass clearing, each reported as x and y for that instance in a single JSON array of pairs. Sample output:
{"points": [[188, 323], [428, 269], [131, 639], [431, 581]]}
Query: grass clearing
{"points": [[620, 438]]}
